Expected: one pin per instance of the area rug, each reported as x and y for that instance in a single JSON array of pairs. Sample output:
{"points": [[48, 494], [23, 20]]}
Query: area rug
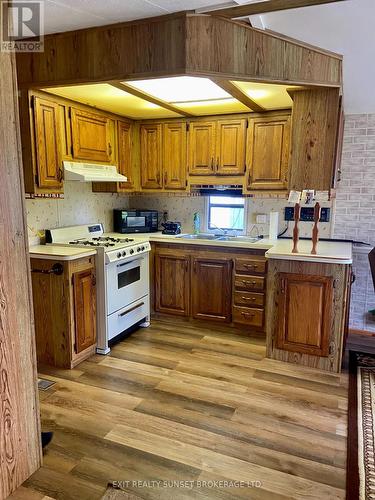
{"points": [[361, 427]]}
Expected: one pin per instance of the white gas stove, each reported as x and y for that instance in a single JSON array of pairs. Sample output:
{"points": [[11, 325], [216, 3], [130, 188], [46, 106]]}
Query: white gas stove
{"points": [[122, 269]]}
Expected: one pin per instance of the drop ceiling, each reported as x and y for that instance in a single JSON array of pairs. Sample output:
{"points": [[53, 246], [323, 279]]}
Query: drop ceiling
{"points": [[185, 95]]}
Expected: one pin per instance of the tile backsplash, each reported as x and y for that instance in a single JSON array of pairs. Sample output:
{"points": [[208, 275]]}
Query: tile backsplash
{"points": [[79, 206]]}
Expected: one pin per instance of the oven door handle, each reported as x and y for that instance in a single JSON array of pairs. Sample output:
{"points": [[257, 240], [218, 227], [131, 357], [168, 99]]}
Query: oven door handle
{"points": [[131, 309], [130, 262]]}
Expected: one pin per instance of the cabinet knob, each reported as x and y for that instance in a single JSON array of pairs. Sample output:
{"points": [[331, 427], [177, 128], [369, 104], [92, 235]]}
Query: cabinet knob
{"points": [[110, 149]]}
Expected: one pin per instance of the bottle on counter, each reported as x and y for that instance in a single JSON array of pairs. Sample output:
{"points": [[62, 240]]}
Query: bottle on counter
{"points": [[197, 222]]}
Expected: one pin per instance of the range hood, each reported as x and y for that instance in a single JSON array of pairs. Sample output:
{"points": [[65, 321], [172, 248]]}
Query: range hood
{"points": [[91, 172]]}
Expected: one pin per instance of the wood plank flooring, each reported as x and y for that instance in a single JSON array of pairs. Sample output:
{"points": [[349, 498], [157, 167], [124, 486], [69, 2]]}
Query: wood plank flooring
{"points": [[182, 402]]}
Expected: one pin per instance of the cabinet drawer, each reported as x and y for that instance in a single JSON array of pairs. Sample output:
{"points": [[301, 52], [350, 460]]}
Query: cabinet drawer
{"points": [[248, 299], [248, 282], [248, 316], [250, 266]]}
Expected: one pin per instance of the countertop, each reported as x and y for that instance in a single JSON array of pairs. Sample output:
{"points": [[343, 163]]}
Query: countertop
{"points": [[329, 252], [51, 252]]}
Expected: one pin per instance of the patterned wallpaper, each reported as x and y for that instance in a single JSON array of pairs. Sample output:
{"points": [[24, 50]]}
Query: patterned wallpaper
{"points": [[79, 206]]}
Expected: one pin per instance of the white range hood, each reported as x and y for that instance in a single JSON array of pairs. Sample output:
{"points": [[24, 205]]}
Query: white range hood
{"points": [[91, 172]]}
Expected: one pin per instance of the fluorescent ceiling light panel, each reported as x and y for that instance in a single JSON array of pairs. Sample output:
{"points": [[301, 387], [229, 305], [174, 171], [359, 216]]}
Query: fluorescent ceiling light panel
{"points": [[270, 96], [181, 89]]}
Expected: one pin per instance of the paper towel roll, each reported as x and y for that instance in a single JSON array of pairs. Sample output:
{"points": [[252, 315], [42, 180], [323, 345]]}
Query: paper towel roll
{"points": [[274, 225]]}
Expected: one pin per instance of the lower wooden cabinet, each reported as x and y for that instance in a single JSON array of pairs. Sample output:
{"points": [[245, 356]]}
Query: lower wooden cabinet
{"points": [[64, 295], [305, 313], [172, 282], [211, 288], [215, 284]]}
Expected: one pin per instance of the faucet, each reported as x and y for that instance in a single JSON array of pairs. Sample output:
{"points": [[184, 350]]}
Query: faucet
{"points": [[224, 231]]}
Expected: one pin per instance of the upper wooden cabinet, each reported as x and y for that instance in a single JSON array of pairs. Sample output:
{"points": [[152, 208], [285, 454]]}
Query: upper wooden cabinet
{"points": [[174, 155], [231, 146], [211, 288], [268, 141], [305, 313], [125, 157], [48, 159], [151, 155], [202, 147], [315, 121], [91, 136], [217, 147], [163, 155]]}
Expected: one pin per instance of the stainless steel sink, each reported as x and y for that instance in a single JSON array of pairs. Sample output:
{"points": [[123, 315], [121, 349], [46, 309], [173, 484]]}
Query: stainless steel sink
{"points": [[200, 236], [218, 237]]}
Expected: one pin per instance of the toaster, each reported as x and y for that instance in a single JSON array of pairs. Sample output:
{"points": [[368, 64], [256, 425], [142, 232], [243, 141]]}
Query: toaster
{"points": [[171, 227]]}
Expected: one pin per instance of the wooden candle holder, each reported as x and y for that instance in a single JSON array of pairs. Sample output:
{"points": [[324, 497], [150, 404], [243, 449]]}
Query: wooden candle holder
{"points": [[297, 216], [315, 231]]}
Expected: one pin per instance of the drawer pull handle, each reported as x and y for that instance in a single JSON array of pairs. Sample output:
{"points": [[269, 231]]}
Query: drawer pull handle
{"points": [[131, 309], [248, 314], [249, 298], [250, 266]]}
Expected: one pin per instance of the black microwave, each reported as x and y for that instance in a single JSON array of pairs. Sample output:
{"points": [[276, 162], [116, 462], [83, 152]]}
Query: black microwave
{"points": [[135, 221]]}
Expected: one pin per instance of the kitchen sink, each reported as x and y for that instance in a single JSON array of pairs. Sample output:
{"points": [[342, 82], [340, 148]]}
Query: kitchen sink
{"points": [[218, 237]]}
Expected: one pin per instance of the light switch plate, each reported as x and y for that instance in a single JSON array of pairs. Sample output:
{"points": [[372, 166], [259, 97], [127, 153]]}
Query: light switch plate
{"points": [[261, 219]]}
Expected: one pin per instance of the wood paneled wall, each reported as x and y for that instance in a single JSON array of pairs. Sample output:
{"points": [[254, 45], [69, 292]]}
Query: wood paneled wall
{"points": [[20, 453], [175, 44]]}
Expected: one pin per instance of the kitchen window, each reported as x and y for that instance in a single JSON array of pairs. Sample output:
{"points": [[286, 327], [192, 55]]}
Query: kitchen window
{"points": [[227, 213]]}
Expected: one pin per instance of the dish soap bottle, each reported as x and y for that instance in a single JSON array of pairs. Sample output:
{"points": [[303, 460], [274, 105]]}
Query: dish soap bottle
{"points": [[197, 222]]}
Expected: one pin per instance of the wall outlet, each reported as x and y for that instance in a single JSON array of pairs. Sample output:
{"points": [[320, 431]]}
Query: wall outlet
{"points": [[261, 219]]}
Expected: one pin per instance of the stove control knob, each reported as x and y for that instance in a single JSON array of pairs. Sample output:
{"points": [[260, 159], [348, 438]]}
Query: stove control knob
{"points": [[124, 254], [138, 249], [119, 255], [131, 251], [143, 248]]}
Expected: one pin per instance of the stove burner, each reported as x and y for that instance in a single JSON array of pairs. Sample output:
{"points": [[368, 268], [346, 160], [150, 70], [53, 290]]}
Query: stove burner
{"points": [[113, 240], [97, 242]]}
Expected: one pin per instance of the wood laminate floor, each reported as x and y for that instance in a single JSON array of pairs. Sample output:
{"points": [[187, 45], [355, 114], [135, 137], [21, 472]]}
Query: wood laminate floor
{"points": [[182, 402]]}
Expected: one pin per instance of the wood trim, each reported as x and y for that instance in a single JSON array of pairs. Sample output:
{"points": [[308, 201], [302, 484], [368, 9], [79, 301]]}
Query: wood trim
{"points": [[237, 93], [149, 98], [264, 7]]}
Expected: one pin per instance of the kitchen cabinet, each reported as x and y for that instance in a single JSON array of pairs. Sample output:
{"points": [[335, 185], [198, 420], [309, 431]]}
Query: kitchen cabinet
{"points": [[231, 147], [64, 295], [174, 155], [211, 288], [125, 157], [92, 136], [314, 138], [163, 155], [217, 147], [172, 281], [48, 156], [268, 141], [151, 155], [210, 283], [307, 310], [304, 313], [202, 147]]}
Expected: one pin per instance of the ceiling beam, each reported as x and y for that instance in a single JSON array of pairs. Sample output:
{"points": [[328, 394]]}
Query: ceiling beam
{"points": [[147, 97], [238, 94], [264, 7]]}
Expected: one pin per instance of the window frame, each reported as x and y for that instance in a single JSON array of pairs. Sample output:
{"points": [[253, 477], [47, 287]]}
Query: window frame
{"points": [[207, 213]]}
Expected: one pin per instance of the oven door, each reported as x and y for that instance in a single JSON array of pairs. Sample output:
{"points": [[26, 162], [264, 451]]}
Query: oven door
{"points": [[127, 281]]}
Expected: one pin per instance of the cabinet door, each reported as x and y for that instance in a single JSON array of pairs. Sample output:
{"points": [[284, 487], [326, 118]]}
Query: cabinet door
{"points": [[230, 147], [125, 167], [151, 146], [47, 137], [174, 155], [212, 289], [305, 313], [91, 136], [202, 148], [172, 283], [84, 292], [268, 152]]}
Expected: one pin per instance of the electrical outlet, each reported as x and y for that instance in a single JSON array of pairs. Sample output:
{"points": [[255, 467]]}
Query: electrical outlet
{"points": [[307, 214], [261, 219]]}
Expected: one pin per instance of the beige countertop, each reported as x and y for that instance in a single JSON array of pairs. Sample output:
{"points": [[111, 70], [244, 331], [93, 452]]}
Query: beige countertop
{"points": [[51, 252], [329, 252]]}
